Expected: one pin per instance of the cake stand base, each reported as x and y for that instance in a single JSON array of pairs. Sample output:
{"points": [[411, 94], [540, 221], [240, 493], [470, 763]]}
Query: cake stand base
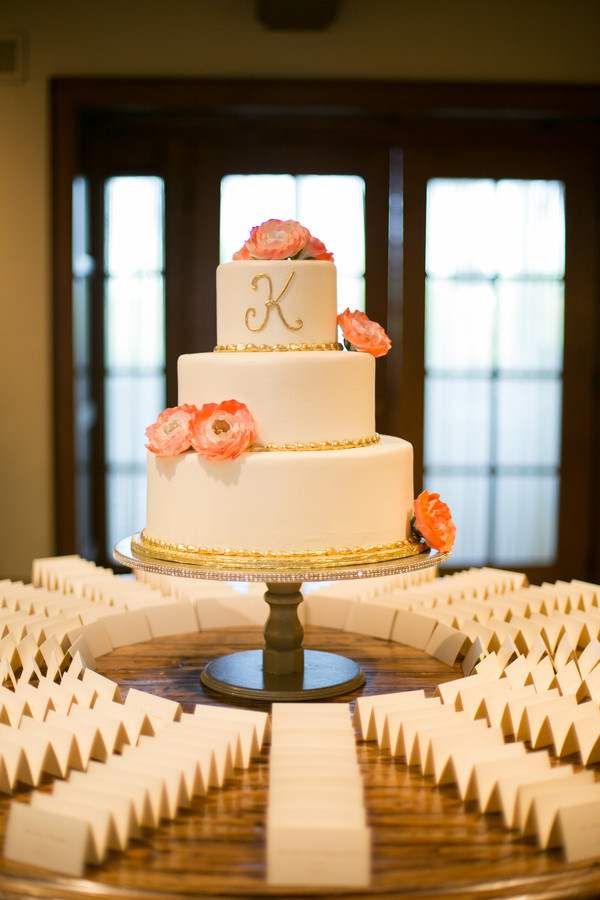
{"points": [[243, 675], [283, 670]]}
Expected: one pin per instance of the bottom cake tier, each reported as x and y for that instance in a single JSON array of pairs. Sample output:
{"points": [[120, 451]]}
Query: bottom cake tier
{"points": [[310, 507]]}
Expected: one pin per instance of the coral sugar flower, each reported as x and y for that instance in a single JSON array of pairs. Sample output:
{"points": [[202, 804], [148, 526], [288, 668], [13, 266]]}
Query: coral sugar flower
{"points": [[222, 430], [433, 522], [363, 334], [170, 434]]}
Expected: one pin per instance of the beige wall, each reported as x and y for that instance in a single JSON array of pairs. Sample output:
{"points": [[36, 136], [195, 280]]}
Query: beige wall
{"points": [[507, 40]]}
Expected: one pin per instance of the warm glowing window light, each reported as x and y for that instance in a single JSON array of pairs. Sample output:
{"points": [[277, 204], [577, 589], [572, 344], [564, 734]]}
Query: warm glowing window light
{"points": [[134, 342], [495, 260]]}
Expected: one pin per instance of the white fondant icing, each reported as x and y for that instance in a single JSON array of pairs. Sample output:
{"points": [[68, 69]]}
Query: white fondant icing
{"points": [[282, 501], [310, 298], [294, 397]]}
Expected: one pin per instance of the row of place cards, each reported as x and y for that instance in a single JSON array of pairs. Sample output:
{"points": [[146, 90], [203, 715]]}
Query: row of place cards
{"points": [[558, 805], [317, 832], [121, 779]]}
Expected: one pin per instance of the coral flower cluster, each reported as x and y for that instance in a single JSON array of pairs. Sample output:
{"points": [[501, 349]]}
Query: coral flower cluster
{"points": [[278, 239], [215, 431]]}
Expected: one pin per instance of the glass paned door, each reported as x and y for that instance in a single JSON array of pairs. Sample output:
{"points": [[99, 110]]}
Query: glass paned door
{"points": [[134, 343], [494, 313], [330, 206]]}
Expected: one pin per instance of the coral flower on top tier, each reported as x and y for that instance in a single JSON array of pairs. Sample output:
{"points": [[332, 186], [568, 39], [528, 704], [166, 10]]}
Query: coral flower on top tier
{"points": [[222, 430], [433, 522], [278, 239], [170, 434], [363, 334]]}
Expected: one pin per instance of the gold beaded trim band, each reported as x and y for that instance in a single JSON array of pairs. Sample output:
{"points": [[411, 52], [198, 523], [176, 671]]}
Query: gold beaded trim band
{"points": [[226, 558], [265, 348], [317, 445]]}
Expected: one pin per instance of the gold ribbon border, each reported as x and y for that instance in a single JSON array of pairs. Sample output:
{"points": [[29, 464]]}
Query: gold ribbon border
{"points": [[276, 348], [226, 558]]}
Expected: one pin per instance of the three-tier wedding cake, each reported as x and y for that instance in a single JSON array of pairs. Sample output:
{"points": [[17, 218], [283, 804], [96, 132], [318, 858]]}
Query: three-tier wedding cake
{"points": [[271, 457]]}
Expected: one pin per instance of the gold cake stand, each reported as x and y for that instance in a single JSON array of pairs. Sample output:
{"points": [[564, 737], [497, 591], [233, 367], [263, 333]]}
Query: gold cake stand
{"points": [[283, 670]]}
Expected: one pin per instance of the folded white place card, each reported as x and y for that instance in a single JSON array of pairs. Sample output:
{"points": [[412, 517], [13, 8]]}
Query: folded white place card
{"points": [[471, 698], [447, 644], [489, 667], [62, 743], [363, 720], [127, 628], [589, 658], [373, 619], [396, 715], [223, 744], [466, 730], [474, 655], [555, 782], [103, 686], [585, 734], [172, 618], [535, 712], [509, 787], [135, 721], [153, 783], [260, 720], [402, 726], [89, 743], [516, 703], [545, 806], [380, 715], [59, 841], [462, 763], [36, 758], [119, 806], [161, 707], [487, 773], [319, 855], [111, 730], [577, 828], [412, 629], [196, 766], [176, 792]]}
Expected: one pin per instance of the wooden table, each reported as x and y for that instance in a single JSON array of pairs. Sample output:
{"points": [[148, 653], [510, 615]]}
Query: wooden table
{"points": [[426, 842]]}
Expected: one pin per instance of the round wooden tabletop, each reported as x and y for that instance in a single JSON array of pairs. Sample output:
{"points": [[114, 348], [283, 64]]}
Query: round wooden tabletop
{"points": [[426, 842]]}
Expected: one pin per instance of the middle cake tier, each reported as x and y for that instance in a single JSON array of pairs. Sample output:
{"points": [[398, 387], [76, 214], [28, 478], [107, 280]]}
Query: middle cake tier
{"points": [[295, 396]]}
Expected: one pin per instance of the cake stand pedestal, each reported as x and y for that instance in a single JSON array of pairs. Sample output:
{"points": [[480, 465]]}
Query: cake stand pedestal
{"points": [[283, 670]]}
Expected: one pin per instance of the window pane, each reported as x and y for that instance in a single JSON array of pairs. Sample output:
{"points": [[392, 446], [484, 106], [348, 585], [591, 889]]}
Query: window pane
{"points": [[530, 325], [134, 322], [529, 422], [248, 200], [133, 211], [461, 227], [457, 421], [525, 520], [459, 325], [134, 342], [531, 230], [468, 498], [126, 505], [494, 295], [133, 402], [332, 207]]}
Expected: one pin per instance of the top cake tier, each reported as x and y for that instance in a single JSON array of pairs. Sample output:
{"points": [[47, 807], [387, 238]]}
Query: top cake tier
{"points": [[276, 302]]}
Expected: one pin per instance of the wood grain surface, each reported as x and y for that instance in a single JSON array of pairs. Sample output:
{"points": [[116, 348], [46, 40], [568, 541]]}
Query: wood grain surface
{"points": [[426, 842]]}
